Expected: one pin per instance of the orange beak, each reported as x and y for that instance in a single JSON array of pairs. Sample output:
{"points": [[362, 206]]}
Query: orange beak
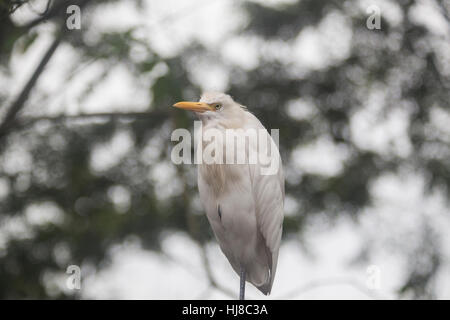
{"points": [[194, 106]]}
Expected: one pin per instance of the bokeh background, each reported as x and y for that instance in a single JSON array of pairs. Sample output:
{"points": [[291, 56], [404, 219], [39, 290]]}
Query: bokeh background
{"points": [[85, 121]]}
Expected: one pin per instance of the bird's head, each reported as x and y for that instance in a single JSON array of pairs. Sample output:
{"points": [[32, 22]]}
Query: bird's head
{"points": [[214, 106]]}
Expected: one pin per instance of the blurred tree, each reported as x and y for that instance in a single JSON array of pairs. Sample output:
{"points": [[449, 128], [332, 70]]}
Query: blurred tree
{"points": [[56, 169]]}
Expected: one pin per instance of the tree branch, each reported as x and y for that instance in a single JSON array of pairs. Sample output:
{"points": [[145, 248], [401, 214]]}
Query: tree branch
{"points": [[329, 282], [82, 116], [53, 10], [211, 282], [18, 104], [210, 276]]}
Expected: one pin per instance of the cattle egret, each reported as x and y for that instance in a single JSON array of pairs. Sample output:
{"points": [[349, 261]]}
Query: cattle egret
{"points": [[243, 204]]}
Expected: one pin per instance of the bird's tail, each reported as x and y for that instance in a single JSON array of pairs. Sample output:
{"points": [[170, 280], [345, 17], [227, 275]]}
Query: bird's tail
{"points": [[265, 288]]}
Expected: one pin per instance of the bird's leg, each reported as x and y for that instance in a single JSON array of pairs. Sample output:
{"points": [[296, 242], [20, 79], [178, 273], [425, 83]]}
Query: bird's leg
{"points": [[242, 284]]}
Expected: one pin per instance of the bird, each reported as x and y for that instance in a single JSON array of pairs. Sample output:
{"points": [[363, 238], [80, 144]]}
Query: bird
{"points": [[243, 204]]}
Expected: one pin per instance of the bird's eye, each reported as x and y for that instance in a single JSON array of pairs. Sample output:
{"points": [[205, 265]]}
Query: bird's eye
{"points": [[217, 106]]}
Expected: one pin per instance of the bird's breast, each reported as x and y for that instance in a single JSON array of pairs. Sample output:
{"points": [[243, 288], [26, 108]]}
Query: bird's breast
{"points": [[214, 169], [220, 177]]}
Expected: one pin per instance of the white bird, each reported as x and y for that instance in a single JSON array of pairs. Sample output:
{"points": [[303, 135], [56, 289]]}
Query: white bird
{"points": [[243, 204]]}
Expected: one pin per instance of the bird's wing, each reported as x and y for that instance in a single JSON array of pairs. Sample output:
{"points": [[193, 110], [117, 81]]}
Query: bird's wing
{"points": [[268, 193]]}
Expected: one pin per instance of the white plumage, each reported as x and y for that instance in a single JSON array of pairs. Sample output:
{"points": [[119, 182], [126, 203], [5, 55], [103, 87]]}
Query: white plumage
{"points": [[243, 204]]}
